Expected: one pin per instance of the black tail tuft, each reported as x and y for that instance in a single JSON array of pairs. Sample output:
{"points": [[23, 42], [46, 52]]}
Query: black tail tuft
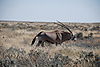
{"points": [[33, 41]]}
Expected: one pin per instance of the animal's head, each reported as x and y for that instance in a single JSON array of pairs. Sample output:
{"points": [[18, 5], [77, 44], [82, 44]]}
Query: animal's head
{"points": [[77, 36]]}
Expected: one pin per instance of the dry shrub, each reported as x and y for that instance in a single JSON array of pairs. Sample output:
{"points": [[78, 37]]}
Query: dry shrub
{"points": [[14, 57]]}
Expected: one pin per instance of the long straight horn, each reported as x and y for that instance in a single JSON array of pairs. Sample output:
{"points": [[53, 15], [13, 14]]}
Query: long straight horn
{"points": [[61, 24]]}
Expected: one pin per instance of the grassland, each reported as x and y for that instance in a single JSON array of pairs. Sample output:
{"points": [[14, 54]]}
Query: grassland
{"points": [[16, 51]]}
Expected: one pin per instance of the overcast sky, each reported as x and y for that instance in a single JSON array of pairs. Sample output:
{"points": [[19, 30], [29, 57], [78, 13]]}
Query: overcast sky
{"points": [[50, 10]]}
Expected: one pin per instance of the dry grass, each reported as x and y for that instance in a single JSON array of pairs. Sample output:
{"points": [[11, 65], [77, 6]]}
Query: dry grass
{"points": [[19, 36]]}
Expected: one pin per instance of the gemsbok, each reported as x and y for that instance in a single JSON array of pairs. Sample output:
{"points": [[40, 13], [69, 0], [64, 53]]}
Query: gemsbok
{"points": [[54, 37]]}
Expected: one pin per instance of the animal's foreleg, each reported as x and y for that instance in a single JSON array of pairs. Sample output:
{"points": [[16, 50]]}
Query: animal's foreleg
{"points": [[56, 44], [60, 43]]}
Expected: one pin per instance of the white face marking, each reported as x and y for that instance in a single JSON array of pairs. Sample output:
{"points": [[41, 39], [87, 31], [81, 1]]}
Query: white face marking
{"points": [[75, 38]]}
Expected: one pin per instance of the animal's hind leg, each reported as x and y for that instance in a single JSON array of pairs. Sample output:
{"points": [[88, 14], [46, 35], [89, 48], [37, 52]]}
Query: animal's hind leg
{"points": [[39, 42], [42, 44]]}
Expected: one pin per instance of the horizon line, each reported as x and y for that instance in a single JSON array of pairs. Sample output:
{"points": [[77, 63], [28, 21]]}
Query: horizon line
{"points": [[47, 21]]}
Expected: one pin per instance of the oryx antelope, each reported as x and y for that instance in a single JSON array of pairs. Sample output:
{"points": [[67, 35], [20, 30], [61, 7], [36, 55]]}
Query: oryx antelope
{"points": [[54, 37]]}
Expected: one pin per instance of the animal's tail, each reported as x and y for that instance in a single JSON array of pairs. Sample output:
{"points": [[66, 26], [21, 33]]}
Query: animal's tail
{"points": [[35, 38]]}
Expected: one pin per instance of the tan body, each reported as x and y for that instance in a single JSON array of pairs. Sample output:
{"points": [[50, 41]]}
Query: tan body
{"points": [[54, 37]]}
